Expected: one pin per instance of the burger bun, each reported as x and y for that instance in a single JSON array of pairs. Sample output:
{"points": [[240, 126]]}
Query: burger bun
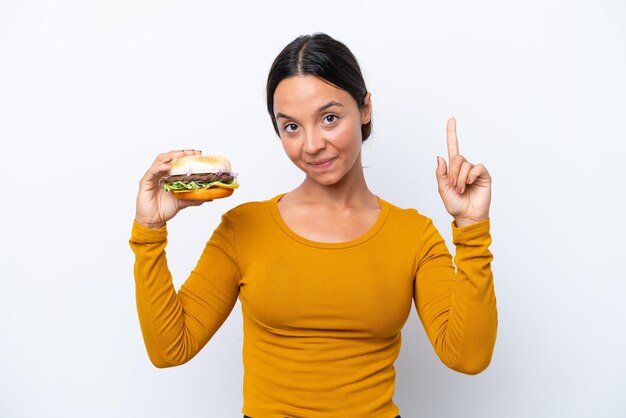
{"points": [[199, 164], [203, 194]]}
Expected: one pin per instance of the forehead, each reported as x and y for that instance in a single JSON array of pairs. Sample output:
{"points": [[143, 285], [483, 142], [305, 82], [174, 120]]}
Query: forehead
{"points": [[304, 91]]}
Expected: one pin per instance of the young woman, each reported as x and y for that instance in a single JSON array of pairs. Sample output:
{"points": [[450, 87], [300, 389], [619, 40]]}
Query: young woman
{"points": [[326, 273]]}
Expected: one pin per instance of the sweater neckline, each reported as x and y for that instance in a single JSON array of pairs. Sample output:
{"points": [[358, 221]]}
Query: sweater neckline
{"points": [[382, 217]]}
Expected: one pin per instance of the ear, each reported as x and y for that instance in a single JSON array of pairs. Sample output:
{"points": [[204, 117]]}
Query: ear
{"points": [[366, 110]]}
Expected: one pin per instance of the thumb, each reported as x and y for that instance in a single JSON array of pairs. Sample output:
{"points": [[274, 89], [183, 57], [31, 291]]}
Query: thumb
{"points": [[442, 173]]}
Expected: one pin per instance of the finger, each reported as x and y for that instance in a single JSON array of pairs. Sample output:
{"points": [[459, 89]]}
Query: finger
{"points": [[478, 171], [442, 173], [455, 169], [452, 140], [162, 165], [167, 157], [154, 173], [466, 167]]}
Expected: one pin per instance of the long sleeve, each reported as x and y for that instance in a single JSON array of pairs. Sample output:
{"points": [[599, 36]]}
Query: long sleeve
{"points": [[176, 325], [321, 321], [458, 308]]}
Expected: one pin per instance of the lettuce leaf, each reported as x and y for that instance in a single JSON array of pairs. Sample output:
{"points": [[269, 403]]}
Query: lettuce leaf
{"points": [[198, 185]]}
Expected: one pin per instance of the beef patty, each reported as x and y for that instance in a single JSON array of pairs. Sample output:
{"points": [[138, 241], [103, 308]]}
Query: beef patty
{"points": [[207, 177]]}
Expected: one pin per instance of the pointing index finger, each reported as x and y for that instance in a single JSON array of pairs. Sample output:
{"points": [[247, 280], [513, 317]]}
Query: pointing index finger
{"points": [[453, 142]]}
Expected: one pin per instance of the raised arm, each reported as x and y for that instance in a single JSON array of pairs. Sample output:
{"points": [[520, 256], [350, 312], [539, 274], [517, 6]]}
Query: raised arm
{"points": [[458, 307], [176, 325]]}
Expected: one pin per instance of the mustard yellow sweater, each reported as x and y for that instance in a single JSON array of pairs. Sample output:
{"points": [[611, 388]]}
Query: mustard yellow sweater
{"points": [[321, 321]]}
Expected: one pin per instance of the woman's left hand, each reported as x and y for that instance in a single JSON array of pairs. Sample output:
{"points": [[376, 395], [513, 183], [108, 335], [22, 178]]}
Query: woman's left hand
{"points": [[465, 188]]}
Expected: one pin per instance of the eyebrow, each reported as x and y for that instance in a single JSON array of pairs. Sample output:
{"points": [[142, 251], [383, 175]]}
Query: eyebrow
{"points": [[320, 109], [329, 104]]}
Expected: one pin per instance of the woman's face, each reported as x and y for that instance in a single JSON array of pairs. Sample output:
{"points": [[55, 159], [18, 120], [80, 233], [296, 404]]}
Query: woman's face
{"points": [[320, 127]]}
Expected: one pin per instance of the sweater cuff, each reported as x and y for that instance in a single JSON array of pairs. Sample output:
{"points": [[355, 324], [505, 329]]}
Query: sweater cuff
{"points": [[144, 235], [470, 233]]}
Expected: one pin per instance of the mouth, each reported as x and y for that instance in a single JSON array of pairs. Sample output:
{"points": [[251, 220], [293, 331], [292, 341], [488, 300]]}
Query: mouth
{"points": [[321, 164]]}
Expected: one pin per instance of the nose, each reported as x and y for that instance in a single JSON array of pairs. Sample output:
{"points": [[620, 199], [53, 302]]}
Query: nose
{"points": [[314, 142]]}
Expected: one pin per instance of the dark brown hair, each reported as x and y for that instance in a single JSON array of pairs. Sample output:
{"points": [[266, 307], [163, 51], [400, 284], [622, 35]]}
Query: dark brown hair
{"points": [[324, 57]]}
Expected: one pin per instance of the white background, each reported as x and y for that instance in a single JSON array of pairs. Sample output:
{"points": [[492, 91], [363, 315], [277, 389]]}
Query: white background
{"points": [[90, 92]]}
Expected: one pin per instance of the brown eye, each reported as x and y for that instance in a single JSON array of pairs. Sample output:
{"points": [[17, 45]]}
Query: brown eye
{"points": [[330, 118], [290, 127]]}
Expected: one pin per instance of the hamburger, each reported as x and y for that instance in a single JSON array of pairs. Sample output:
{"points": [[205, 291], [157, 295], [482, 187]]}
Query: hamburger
{"points": [[200, 177]]}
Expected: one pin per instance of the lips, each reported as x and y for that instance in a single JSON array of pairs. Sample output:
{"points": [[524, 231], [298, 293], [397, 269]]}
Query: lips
{"points": [[323, 163]]}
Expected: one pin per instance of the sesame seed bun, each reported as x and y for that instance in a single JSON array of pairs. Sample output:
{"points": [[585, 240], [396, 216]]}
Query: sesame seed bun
{"points": [[197, 164]]}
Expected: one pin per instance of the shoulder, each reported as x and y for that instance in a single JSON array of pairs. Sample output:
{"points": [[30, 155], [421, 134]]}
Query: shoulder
{"points": [[250, 212], [406, 216], [407, 227]]}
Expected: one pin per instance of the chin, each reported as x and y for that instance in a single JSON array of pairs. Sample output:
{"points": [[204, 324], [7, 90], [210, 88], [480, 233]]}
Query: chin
{"points": [[325, 180]]}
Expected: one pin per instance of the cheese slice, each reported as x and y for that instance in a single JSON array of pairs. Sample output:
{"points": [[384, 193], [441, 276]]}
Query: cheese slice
{"points": [[214, 184]]}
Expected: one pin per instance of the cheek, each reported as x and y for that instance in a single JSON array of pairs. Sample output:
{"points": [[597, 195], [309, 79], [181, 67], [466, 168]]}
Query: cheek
{"points": [[286, 147], [290, 149], [345, 135]]}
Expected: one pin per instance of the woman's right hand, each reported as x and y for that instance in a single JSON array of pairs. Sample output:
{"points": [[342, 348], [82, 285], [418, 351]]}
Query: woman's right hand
{"points": [[155, 206]]}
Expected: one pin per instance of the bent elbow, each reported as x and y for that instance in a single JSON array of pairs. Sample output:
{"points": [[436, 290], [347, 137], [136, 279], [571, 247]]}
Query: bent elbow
{"points": [[472, 366], [160, 363], [174, 354]]}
